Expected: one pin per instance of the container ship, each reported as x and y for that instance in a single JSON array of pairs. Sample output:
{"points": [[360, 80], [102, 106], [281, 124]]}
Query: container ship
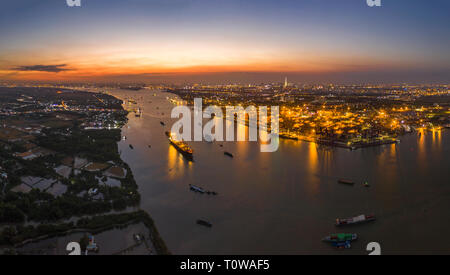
{"points": [[182, 147]]}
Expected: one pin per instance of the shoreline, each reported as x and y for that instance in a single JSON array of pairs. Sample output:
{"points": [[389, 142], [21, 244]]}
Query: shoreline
{"points": [[134, 218], [42, 231]]}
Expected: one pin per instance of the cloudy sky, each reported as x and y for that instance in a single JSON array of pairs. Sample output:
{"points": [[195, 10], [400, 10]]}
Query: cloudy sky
{"points": [[226, 40]]}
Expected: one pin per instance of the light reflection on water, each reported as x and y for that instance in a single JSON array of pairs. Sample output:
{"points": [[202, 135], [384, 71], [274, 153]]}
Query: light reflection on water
{"points": [[285, 202]]}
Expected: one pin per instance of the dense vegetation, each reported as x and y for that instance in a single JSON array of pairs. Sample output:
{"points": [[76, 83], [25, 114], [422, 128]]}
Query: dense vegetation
{"points": [[96, 145], [16, 235], [64, 135]]}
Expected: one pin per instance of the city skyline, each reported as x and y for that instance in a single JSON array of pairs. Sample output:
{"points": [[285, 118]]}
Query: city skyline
{"points": [[232, 41]]}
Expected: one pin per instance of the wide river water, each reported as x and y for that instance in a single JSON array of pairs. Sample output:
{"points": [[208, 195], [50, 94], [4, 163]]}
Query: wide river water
{"points": [[285, 202]]}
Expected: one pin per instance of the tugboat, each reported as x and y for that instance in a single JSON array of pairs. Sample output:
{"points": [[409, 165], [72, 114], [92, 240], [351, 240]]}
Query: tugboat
{"points": [[355, 220], [340, 237], [204, 223], [182, 147]]}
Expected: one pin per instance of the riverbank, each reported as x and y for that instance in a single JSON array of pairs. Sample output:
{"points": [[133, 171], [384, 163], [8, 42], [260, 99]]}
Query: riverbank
{"points": [[33, 214], [341, 144], [94, 225]]}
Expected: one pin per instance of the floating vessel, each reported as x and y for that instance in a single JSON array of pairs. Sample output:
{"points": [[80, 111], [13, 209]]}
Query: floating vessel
{"points": [[340, 237], [131, 146], [228, 154], [196, 189], [182, 147], [92, 245], [204, 223], [348, 182], [355, 220], [201, 190], [162, 123], [138, 112], [342, 245]]}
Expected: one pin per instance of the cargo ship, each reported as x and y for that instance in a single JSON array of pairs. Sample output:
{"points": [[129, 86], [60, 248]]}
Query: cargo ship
{"points": [[182, 147], [355, 220], [340, 237]]}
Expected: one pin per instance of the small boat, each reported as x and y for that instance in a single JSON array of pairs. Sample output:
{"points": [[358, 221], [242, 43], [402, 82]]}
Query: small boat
{"points": [[196, 189], [366, 184], [348, 182], [138, 112], [355, 220], [92, 245], [149, 146], [204, 223], [342, 245], [340, 237], [131, 146], [162, 123], [228, 154]]}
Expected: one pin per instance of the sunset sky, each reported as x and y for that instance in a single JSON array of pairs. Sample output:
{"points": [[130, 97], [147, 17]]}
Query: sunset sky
{"points": [[226, 40]]}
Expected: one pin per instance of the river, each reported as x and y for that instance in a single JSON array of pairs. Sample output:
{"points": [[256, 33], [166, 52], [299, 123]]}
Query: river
{"points": [[285, 202]]}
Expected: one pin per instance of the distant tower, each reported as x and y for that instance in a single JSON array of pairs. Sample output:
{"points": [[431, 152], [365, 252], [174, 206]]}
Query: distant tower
{"points": [[285, 82]]}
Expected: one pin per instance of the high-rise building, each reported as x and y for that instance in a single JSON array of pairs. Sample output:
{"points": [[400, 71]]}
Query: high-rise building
{"points": [[285, 82]]}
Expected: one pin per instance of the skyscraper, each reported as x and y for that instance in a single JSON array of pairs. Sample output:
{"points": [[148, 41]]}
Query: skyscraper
{"points": [[285, 82]]}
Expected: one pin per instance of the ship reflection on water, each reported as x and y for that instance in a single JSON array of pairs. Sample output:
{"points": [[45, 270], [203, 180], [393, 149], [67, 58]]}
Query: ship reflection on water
{"points": [[285, 202]]}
